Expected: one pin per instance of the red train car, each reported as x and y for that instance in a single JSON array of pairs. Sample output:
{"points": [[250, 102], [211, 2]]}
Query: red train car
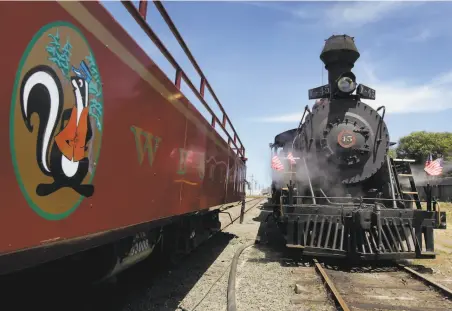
{"points": [[106, 156]]}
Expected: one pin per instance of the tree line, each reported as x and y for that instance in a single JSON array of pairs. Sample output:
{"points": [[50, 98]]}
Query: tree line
{"points": [[418, 145]]}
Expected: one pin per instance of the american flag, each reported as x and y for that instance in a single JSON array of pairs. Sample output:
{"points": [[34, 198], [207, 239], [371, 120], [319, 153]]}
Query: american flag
{"points": [[276, 164], [291, 158], [434, 168]]}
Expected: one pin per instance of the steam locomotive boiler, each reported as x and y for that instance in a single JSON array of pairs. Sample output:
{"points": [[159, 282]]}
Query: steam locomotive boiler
{"points": [[335, 190]]}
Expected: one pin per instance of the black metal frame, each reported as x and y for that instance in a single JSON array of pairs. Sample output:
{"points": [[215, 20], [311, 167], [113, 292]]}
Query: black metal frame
{"points": [[359, 228], [365, 231]]}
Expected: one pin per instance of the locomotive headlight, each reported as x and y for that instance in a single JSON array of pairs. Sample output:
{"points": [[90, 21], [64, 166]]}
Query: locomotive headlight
{"points": [[346, 85]]}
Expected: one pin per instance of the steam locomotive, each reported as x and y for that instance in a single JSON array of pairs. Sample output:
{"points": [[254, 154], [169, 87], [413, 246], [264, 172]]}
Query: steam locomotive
{"points": [[335, 190]]}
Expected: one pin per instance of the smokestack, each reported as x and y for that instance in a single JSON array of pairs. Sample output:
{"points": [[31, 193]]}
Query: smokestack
{"points": [[339, 56]]}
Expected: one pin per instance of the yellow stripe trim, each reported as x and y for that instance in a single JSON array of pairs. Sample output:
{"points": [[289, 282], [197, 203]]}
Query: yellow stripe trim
{"points": [[186, 182]]}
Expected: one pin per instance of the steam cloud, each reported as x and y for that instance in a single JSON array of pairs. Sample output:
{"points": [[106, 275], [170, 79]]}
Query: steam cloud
{"points": [[422, 178], [324, 175]]}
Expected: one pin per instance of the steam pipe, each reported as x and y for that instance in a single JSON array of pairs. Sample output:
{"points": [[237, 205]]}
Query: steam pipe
{"points": [[384, 111], [290, 187], [375, 199], [377, 211], [380, 124], [388, 162], [309, 180], [281, 205], [306, 109], [334, 203], [428, 192]]}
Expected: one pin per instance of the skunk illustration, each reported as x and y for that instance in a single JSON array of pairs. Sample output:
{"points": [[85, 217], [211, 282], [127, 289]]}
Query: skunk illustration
{"points": [[63, 158]]}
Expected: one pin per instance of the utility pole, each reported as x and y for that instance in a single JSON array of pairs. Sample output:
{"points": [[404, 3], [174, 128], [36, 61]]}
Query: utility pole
{"points": [[251, 185], [242, 211]]}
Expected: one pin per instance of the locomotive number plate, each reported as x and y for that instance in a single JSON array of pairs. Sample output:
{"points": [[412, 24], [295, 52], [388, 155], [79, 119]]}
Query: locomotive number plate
{"points": [[346, 139]]}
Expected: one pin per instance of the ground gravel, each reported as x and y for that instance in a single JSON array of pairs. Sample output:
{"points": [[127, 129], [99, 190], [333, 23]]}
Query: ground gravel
{"points": [[263, 284], [215, 279], [266, 275], [200, 281]]}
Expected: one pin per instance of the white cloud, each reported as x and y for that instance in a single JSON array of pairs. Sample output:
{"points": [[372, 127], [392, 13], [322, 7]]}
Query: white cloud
{"points": [[396, 95], [422, 36], [347, 15], [358, 14]]}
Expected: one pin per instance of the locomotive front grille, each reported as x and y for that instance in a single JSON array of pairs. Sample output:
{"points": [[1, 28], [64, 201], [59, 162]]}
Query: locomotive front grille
{"points": [[363, 233], [317, 232]]}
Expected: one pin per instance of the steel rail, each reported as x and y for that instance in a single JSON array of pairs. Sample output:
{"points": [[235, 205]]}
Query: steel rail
{"points": [[443, 289], [330, 286]]}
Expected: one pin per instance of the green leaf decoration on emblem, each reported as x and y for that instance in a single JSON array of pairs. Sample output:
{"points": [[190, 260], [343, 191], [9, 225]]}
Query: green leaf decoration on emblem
{"points": [[60, 56], [95, 89]]}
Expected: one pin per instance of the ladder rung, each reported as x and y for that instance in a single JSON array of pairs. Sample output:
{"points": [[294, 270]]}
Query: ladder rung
{"points": [[409, 192], [405, 175], [404, 160]]}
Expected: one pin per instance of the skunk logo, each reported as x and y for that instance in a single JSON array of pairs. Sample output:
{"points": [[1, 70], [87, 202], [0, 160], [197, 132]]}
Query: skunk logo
{"points": [[56, 121], [64, 160]]}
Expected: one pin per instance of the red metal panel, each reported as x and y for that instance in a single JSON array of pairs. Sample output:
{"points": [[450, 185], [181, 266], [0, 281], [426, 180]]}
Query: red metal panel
{"points": [[145, 125], [179, 72], [204, 178], [232, 194]]}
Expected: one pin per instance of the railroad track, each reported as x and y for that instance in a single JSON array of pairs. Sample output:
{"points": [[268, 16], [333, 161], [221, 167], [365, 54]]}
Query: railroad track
{"points": [[334, 285], [225, 210], [394, 287]]}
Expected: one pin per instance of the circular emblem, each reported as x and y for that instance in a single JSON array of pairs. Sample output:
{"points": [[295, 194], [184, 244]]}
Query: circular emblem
{"points": [[56, 120], [346, 139]]}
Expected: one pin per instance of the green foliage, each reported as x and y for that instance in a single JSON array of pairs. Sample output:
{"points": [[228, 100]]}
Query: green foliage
{"points": [[418, 145], [392, 153]]}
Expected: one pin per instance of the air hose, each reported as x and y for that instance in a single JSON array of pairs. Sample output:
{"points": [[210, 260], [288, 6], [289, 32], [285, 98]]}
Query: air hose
{"points": [[232, 277]]}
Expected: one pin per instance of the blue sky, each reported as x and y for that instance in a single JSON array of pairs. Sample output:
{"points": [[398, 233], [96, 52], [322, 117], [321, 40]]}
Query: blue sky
{"points": [[262, 57]]}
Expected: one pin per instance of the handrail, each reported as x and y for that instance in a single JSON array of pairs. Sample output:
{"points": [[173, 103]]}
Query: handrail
{"points": [[140, 17], [184, 46]]}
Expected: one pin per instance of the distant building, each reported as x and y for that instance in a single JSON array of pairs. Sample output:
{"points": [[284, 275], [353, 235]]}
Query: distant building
{"points": [[441, 187]]}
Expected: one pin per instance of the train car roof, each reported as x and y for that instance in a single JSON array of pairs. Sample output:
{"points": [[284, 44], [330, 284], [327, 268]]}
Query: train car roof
{"points": [[284, 137]]}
